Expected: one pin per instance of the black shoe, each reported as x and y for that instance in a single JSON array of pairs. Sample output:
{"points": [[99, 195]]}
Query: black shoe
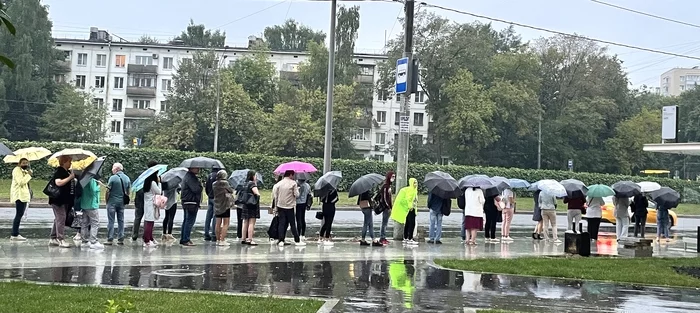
{"points": [[134, 238], [534, 235], [120, 242], [245, 242], [431, 241], [438, 242], [539, 237], [377, 244], [364, 243], [207, 238]]}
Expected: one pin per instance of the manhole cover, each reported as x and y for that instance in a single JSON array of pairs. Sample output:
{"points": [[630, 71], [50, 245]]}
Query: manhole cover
{"points": [[177, 273]]}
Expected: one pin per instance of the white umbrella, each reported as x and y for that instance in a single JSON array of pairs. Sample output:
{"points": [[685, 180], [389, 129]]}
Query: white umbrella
{"points": [[649, 186]]}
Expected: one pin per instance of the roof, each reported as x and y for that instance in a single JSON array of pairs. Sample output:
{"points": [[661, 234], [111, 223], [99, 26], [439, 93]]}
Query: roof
{"points": [[690, 148]]}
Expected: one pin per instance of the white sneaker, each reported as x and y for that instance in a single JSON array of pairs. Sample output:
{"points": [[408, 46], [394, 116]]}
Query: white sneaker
{"points": [[495, 241], [328, 243], [63, 244], [303, 238], [154, 242], [54, 242], [405, 241], [273, 241], [77, 237], [413, 242], [18, 238], [97, 246], [509, 239], [557, 241], [300, 244], [225, 243], [280, 244]]}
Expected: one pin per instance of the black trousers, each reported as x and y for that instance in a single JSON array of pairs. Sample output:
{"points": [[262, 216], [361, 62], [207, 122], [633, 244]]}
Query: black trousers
{"points": [[410, 225], [287, 219], [301, 219], [138, 216], [169, 219], [328, 211], [640, 223], [593, 226], [491, 221], [239, 220]]}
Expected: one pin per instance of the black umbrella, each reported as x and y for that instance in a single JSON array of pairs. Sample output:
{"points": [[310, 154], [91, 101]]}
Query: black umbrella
{"points": [[574, 188], [202, 162], [173, 177], [91, 171], [483, 182], [626, 188], [4, 150], [442, 185], [666, 198], [364, 184], [327, 183]]}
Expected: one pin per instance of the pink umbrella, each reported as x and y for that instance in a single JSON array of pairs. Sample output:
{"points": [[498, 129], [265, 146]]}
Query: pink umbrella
{"points": [[296, 166]]}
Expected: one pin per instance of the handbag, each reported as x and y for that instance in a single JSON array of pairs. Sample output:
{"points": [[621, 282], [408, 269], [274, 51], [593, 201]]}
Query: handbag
{"points": [[319, 215], [127, 199], [51, 190]]}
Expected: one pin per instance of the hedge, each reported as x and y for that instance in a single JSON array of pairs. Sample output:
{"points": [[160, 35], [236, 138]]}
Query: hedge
{"points": [[135, 160]]}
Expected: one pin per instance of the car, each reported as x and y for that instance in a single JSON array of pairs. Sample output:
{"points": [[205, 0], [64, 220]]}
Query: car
{"points": [[608, 214]]}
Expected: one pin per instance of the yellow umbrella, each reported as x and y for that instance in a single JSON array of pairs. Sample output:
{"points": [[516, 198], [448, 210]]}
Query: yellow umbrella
{"points": [[31, 154], [81, 158]]}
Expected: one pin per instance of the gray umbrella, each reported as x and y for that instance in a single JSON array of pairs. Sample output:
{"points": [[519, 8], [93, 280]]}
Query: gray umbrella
{"points": [[4, 150], [574, 188], [626, 188], [479, 181], [327, 183], [302, 176], [202, 162], [442, 185], [173, 177], [502, 183], [92, 171], [238, 177], [364, 184]]}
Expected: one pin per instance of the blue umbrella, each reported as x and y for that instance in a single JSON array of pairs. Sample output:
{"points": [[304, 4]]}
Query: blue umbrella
{"points": [[138, 183], [518, 183]]}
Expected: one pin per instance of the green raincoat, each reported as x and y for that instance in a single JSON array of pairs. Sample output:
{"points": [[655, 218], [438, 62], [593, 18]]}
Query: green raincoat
{"points": [[405, 201], [402, 282]]}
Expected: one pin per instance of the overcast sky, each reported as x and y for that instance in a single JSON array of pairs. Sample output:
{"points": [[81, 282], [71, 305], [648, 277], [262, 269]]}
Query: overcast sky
{"points": [[165, 19]]}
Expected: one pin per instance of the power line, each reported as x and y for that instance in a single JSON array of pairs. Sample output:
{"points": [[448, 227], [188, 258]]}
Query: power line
{"points": [[251, 14], [647, 14], [612, 43]]}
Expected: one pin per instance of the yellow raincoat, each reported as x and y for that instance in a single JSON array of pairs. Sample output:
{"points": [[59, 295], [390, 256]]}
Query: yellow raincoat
{"points": [[405, 201], [401, 281]]}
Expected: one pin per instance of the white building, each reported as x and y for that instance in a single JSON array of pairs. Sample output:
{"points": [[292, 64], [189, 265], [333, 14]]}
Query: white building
{"points": [[677, 80], [132, 81]]}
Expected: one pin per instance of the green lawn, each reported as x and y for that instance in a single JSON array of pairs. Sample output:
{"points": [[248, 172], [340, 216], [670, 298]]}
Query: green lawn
{"points": [[648, 271], [496, 311], [31, 298]]}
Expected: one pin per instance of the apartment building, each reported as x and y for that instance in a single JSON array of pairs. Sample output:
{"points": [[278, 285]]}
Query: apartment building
{"points": [[677, 80], [132, 82]]}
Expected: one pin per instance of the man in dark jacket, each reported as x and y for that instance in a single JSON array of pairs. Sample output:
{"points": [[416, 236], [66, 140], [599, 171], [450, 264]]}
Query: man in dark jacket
{"points": [[138, 213], [191, 197], [210, 220], [640, 213]]}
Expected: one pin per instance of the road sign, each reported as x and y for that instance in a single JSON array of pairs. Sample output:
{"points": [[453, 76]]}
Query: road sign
{"points": [[401, 75], [404, 126], [570, 164]]}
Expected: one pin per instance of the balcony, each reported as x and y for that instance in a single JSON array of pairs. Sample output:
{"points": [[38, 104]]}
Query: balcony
{"points": [[139, 113], [364, 79], [136, 91], [142, 69], [291, 76], [362, 145]]}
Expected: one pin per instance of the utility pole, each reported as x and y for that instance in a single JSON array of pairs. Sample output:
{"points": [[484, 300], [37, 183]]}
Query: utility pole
{"points": [[404, 115], [219, 64], [328, 144], [539, 143]]}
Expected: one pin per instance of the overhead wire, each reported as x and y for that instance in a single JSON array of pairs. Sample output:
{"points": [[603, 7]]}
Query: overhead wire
{"points": [[646, 14]]}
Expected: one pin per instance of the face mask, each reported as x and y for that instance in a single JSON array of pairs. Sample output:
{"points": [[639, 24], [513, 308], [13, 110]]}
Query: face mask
{"points": [[24, 167]]}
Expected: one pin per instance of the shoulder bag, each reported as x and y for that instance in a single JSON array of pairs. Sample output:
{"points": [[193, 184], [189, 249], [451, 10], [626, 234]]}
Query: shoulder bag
{"points": [[127, 199], [51, 190]]}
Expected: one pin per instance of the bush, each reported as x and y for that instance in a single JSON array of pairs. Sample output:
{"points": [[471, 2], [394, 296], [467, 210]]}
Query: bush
{"points": [[134, 161]]}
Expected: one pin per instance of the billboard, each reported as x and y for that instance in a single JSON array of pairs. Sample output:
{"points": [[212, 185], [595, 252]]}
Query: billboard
{"points": [[669, 122]]}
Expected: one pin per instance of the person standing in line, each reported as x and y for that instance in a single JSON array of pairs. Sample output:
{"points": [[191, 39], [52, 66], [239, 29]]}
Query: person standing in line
{"points": [[138, 205], [20, 195], [223, 200], [302, 206], [251, 212], [508, 197], [328, 210], [170, 209], [62, 178], [622, 217], [404, 210], [492, 211], [473, 206], [435, 205], [386, 203], [117, 187], [363, 201], [548, 207], [574, 212], [594, 213], [662, 223], [537, 217], [90, 223], [639, 207], [151, 189], [210, 219], [191, 199], [285, 193]]}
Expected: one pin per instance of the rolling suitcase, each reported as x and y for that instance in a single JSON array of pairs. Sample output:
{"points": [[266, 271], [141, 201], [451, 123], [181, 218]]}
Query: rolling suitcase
{"points": [[578, 243]]}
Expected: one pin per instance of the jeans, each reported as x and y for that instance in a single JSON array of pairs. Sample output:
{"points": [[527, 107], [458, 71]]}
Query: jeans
{"points": [[90, 225], [169, 219], [20, 207], [622, 226], [662, 227], [410, 225], [301, 219], [640, 223], [328, 211], [286, 219], [112, 211], [138, 216], [59, 222], [385, 222], [368, 224], [593, 226], [507, 221], [187, 225], [573, 217], [435, 229], [549, 219], [210, 221]]}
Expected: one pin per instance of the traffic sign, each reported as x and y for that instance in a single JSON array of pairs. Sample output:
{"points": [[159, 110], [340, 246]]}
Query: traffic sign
{"points": [[570, 164], [404, 126], [401, 75]]}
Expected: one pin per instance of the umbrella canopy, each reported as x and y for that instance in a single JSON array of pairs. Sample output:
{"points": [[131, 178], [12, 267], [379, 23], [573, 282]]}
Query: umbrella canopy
{"points": [[173, 177], [468, 177], [666, 197], [138, 183], [574, 188], [296, 166], [600, 191], [4, 150], [327, 183], [364, 184], [518, 183], [551, 187], [442, 185], [202, 162], [238, 177], [502, 183], [649, 186], [302, 176], [92, 171], [81, 158], [479, 181], [31, 154], [626, 188]]}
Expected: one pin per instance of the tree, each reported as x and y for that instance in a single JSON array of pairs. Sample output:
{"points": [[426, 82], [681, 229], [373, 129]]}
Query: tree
{"points": [[82, 120], [199, 36], [626, 148], [291, 36], [145, 39], [5, 21], [257, 76]]}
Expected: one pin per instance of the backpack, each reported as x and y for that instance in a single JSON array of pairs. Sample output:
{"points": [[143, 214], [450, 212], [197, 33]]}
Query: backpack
{"points": [[446, 207], [377, 204]]}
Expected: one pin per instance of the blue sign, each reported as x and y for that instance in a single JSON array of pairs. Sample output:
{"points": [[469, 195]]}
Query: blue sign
{"points": [[571, 164], [401, 75]]}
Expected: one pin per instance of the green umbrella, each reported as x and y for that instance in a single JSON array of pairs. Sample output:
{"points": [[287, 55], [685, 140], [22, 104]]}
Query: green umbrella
{"points": [[599, 191]]}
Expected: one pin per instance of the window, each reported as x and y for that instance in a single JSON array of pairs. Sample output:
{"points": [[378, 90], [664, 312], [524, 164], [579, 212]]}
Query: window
{"points": [[80, 81], [381, 116], [186, 61], [99, 82], [67, 55], [100, 103], [166, 84], [164, 106], [398, 98], [144, 60], [82, 59], [101, 60], [59, 78], [367, 70], [380, 138], [142, 81], [120, 61], [116, 126], [417, 119], [362, 134], [397, 118], [167, 63], [682, 78], [117, 105], [114, 145], [420, 97], [142, 104], [130, 125], [682, 87], [379, 157], [119, 83], [382, 95]]}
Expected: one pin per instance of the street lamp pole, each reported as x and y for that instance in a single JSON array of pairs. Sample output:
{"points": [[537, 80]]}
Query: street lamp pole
{"points": [[539, 143], [328, 143], [218, 101]]}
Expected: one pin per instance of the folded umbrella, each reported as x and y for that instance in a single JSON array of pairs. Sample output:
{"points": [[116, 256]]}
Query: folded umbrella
{"points": [[518, 183], [4, 150], [626, 189], [666, 197], [600, 191], [649, 186], [31, 154], [81, 159], [202, 162], [442, 185], [296, 166], [92, 171], [173, 177], [365, 183], [327, 183], [551, 187], [138, 183], [574, 188], [238, 177]]}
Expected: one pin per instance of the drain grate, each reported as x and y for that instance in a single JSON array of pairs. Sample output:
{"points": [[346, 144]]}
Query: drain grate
{"points": [[177, 273]]}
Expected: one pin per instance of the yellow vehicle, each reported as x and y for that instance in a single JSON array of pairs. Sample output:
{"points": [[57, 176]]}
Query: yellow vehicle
{"points": [[608, 213]]}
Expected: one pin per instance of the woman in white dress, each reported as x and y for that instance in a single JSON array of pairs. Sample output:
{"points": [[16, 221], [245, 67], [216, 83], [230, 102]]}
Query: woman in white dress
{"points": [[151, 189]]}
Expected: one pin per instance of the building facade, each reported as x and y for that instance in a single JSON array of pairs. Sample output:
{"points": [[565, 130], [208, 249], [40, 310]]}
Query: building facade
{"points": [[132, 82], [676, 81]]}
